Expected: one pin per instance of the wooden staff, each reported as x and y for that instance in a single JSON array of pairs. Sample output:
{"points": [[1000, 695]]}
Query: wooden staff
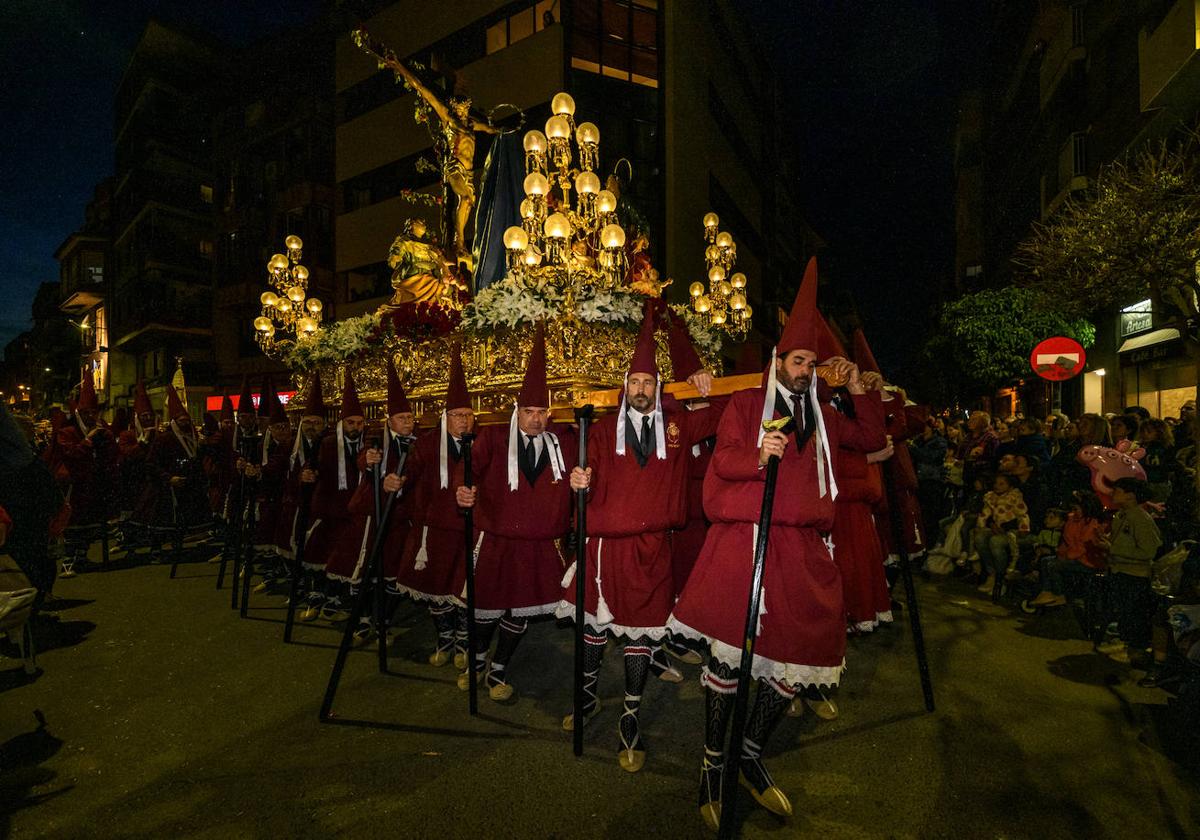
{"points": [[583, 416], [469, 543]]}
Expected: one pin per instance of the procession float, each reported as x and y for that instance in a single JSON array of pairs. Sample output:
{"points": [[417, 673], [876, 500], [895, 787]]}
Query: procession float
{"points": [[565, 248]]}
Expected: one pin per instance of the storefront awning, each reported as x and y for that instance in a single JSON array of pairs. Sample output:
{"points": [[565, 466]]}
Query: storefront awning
{"points": [[1149, 339]]}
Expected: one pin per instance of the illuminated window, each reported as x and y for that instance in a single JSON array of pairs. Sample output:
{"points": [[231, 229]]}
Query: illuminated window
{"points": [[538, 16], [206, 247], [617, 39], [206, 193]]}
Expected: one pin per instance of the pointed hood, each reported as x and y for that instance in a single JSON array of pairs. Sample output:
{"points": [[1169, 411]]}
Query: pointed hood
{"points": [[828, 344], [141, 400], [264, 400], [644, 352], [87, 394], [351, 407], [210, 425], [246, 400], [800, 333], [397, 400], [534, 391], [457, 395], [863, 356], [226, 407], [315, 407], [175, 407]]}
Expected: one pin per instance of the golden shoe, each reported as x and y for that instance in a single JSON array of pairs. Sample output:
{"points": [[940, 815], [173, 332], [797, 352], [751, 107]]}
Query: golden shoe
{"points": [[261, 586], [500, 692], [796, 708], [309, 614], [631, 761], [825, 709], [710, 812], [773, 799], [687, 656], [460, 660], [568, 723], [671, 675], [464, 680], [439, 658]]}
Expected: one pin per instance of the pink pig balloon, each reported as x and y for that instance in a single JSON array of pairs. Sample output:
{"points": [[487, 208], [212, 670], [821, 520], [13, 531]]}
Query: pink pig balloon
{"points": [[1107, 464]]}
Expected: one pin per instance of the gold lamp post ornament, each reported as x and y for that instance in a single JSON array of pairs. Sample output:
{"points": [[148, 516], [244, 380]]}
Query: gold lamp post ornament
{"points": [[724, 299], [572, 242], [286, 306]]}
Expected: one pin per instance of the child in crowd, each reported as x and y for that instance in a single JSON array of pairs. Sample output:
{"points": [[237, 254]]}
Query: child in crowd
{"points": [[1080, 554], [1044, 545], [1003, 518], [1133, 543]]}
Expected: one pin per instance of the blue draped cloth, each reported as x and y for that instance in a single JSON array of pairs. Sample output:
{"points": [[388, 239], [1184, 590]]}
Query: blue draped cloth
{"points": [[499, 207]]}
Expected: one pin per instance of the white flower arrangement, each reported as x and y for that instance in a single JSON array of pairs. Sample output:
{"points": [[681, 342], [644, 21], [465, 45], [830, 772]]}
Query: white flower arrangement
{"points": [[615, 306], [333, 343], [706, 339], [509, 302]]}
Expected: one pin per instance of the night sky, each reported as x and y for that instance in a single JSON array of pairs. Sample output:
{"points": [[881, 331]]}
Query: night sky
{"points": [[872, 122]]}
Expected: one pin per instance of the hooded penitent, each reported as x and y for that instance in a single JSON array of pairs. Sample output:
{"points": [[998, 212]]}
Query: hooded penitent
{"points": [[351, 407], [457, 396], [645, 361], [803, 331], [534, 393]]}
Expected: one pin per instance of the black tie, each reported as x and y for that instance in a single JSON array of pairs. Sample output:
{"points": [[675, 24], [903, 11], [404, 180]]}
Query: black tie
{"points": [[647, 436], [798, 409], [530, 451]]}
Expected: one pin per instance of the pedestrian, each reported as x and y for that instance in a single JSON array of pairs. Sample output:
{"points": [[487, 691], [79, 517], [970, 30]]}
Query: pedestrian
{"points": [[30, 498], [802, 634], [928, 451], [637, 494], [522, 500], [1155, 437], [1133, 542]]}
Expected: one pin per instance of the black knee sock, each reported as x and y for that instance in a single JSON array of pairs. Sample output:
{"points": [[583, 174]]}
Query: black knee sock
{"points": [[637, 670], [770, 703], [484, 630], [460, 630], [443, 625], [511, 631], [593, 656]]}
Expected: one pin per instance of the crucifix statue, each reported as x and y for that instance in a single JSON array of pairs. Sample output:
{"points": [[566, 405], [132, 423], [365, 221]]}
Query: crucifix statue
{"points": [[457, 127]]}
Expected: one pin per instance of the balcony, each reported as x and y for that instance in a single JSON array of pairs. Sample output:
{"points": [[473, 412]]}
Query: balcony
{"points": [[1071, 175], [1168, 67]]}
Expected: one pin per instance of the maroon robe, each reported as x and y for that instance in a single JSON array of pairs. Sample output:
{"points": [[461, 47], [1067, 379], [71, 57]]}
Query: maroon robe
{"points": [[328, 535], [294, 495], [802, 629], [901, 425], [631, 512], [362, 507], [89, 465], [856, 548], [688, 540], [433, 567], [269, 498], [163, 506], [518, 566]]}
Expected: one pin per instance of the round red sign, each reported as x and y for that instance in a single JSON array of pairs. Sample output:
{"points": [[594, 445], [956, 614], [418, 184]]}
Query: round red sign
{"points": [[1058, 358]]}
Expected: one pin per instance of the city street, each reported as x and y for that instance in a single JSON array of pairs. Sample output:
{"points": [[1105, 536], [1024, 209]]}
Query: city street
{"points": [[168, 716]]}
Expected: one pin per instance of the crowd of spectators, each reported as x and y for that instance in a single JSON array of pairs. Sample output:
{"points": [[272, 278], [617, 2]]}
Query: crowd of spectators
{"points": [[1015, 510]]}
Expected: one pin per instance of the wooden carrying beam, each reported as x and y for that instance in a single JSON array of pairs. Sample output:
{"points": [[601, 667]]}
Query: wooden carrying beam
{"points": [[680, 390]]}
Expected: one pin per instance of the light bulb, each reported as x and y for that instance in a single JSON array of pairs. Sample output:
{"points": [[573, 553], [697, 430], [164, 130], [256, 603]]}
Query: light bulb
{"points": [[536, 184], [726, 288], [718, 317], [562, 103], [314, 305], [306, 325], [606, 202], [262, 323], [557, 128], [300, 273], [527, 209], [747, 312], [738, 281], [284, 305], [532, 257], [295, 294], [696, 289], [515, 239], [737, 301], [612, 236], [294, 243], [278, 263], [269, 298], [587, 183], [724, 240], [711, 220], [716, 274], [557, 226], [535, 141], [703, 304], [587, 134]]}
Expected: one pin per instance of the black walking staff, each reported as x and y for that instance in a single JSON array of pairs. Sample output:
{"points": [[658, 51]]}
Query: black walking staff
{"points": [[469, 542], [376, 581], [583, 416], [729, 782], [245, 540], [359, 606], [910, 591], [301, 535]]}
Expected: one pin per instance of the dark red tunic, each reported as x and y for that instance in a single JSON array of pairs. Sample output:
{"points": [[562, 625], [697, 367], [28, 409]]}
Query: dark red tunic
{"points": [[802, 629], [90, 469], [631, 511], [518, 566], [331, 519]]}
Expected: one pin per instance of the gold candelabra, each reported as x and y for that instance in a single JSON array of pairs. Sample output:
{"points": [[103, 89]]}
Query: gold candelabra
{"points": [[287, 308], [569, 243], [724, 301]]}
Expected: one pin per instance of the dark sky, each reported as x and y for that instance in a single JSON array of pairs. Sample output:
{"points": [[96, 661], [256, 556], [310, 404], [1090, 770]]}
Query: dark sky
{"points": [[876, 86]]}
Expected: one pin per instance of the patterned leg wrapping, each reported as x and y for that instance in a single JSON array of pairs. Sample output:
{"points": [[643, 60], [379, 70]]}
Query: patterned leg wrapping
{"points": [[770, 702], [460, 631], [511, 631], [593, 655], [637, 670], [721, 685], [484, 630], [443, 625]]}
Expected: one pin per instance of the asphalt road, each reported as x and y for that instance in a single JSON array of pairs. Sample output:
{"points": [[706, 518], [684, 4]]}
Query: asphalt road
{"points": [[167, 716]]}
